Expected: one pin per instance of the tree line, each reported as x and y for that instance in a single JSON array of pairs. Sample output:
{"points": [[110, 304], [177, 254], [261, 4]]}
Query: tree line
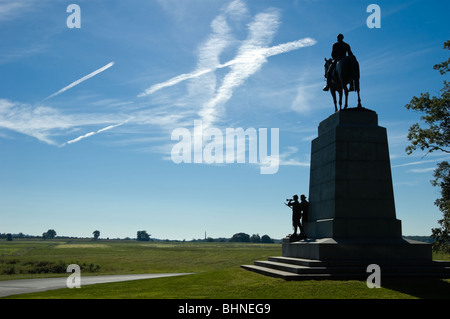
{"points": [[255, 238], [143, 235]]}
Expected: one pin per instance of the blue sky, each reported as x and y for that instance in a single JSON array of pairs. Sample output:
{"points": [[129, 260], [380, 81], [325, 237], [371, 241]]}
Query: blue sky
{"points": [[86, 114]]}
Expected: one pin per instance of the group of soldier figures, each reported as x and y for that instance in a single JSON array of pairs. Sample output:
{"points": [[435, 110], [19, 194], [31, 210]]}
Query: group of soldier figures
{"points": [[299, 215]]}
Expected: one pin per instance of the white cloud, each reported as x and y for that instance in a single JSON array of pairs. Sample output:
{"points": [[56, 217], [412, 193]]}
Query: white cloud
{"points": [[19, 53], [422, 170], [248, 61], [206, 96], [412, 183], [46, 123], [174, 81], [236, 9], [38, 122], [421, 162], [93, 133], [9, 9], [304, 98], [286, 158], [251, 55], [84, 78]]}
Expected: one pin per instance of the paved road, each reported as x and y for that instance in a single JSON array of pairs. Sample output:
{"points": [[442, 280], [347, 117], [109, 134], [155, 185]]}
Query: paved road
{"points": [[22, 286]]}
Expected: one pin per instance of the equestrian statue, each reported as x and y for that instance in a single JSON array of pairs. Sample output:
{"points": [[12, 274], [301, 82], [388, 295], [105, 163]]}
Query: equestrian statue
{"points": [[340, 71]]}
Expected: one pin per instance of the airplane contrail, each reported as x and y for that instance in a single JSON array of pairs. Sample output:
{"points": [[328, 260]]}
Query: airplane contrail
{"points": [[265, 52], [79, 138], [84, 78]]}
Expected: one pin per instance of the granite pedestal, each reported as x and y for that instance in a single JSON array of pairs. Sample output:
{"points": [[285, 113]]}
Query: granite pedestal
{"points": [[352, 209]]}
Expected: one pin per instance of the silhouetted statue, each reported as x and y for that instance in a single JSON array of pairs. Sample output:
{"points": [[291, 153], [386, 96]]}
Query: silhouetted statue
{"points": [[339, 51], [304, 206], [341, 70], [297, 216]]}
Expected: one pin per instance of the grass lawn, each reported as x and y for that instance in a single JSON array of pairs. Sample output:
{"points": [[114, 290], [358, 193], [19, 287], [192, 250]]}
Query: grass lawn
{"points": [[216, 268]]}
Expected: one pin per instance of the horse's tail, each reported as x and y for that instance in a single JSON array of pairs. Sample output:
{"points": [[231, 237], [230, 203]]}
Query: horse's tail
{"points": [[355, 73]]}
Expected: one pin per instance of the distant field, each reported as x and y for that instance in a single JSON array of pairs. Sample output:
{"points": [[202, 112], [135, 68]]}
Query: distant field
{"points": [[65, 245], [216, 266]]}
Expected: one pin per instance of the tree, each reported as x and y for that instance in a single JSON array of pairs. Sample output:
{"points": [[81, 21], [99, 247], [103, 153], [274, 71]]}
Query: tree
{"points": [[255, 238], [435, 137], [50, 234], [241, 238], [142, 235], [9, 237], [441, 234], [266, 239], [96, 234]]}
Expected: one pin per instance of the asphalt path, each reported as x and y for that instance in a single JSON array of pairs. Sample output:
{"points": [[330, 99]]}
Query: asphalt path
{"points": [[23, 286]]}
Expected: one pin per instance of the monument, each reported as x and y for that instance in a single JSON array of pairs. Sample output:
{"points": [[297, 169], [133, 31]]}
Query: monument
{"points": [[352, 219], [352, 209]]}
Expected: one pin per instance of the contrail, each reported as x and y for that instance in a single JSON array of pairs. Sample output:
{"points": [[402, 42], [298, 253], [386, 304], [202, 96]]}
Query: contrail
{"points": [[79, 138], [174, 81], [265, 52], [87, 77]]}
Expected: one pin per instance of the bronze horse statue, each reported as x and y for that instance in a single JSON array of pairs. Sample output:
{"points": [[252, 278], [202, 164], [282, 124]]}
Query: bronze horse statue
{"points": [[346, 72]]}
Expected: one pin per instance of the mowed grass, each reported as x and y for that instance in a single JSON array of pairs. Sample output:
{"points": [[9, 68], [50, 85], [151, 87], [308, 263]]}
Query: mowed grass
{"points": [[215, 268]]}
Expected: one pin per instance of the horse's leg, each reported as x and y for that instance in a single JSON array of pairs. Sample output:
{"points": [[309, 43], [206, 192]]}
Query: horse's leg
{"points": [[333, 94], [340, 99], [346, 96], [359, 99]]}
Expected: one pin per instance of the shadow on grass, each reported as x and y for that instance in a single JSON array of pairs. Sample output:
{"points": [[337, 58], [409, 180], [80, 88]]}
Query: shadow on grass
{"points": [[424, 288]]}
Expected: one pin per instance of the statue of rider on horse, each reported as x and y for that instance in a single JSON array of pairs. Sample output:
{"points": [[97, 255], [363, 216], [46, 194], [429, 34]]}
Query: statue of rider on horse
{"points": [[341, 70]]}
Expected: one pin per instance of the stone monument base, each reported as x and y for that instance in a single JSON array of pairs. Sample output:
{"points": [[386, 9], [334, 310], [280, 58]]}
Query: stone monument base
{"points": [[366, 249], [290, 268], [345, 259]]}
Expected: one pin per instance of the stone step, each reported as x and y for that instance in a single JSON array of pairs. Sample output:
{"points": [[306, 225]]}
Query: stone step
{"points": [[292, 276], [298, 269], [358, 263], [359, 271], [290, 268], [318, 263], [272, 272], [299, 261]]}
